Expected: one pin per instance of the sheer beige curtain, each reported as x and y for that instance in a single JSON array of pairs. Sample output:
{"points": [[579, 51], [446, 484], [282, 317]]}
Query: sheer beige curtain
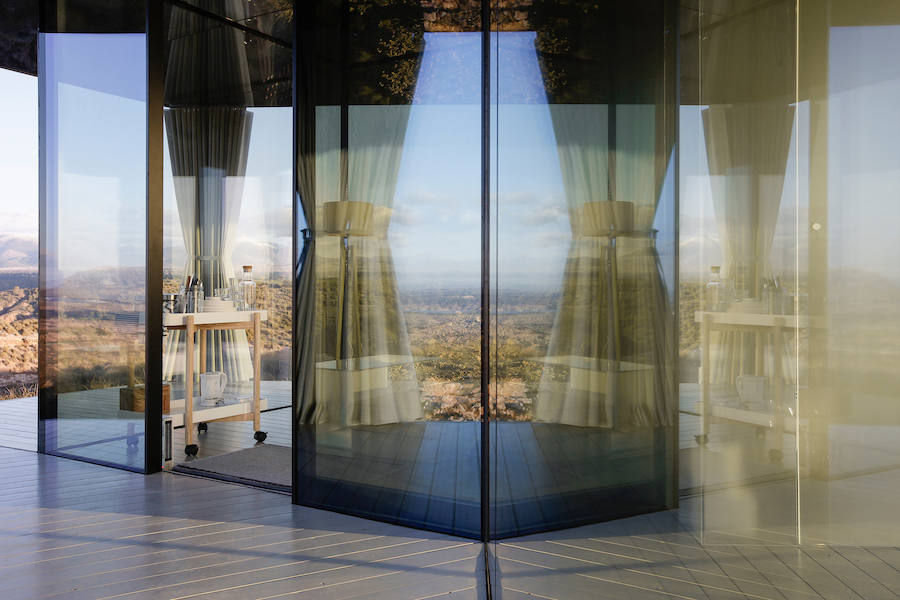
{"points": [[748, 85], [208, 133], [747, 147], [606, 364], [365, 373], [208, 150]]}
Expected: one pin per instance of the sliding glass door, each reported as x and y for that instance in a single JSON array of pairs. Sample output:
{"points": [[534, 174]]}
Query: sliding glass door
{"points": [[789, 273], [440, 148], [388, 403], [93, 277]]}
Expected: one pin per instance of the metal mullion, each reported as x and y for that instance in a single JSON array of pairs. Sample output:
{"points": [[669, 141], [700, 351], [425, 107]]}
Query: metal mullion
{"points": [[485, 267], [154, 240]]}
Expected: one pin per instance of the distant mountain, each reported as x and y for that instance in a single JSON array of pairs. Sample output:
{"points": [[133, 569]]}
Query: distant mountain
{"points": [[18, 279], [696, 254], [18, 252]]}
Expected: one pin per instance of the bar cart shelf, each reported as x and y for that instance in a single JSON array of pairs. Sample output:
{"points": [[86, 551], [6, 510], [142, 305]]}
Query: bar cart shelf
{"points": [[769, 329], [192, 413]]}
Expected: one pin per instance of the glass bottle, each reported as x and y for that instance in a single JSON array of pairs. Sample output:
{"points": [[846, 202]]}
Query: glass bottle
{"points": [[714, 292], [247, 289]]}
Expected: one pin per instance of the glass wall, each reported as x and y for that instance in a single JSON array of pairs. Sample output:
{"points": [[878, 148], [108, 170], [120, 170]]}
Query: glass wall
{"points": [[388, 299], [390, 170], [227, 205], [583, 325], [739, 278], [93, 122], [18, 225], [788, 179], [849, 406]]}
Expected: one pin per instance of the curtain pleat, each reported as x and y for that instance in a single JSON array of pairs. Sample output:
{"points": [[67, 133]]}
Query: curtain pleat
{"points": [[611, 318], [365, 368], [207, 62], [747, 147], [208, 150], [307, 410], [208, 133]]}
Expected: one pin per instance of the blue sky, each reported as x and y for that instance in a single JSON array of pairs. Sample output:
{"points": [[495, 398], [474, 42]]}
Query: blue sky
{"points": [[18, 153], [436, 232]]}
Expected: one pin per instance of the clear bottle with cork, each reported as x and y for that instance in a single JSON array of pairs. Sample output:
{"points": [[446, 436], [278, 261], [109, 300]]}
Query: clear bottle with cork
{"points": [[247, 288]]}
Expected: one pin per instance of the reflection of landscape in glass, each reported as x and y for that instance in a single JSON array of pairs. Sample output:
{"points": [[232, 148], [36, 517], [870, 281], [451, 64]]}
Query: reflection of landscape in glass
{"points": [[100, 329], [445, 327], [98, 278], [18, 235], [261, 238]]}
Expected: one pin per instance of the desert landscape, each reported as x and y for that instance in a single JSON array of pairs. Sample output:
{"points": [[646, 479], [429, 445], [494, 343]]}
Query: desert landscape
{"points": [[18, 334], [444, 334]]}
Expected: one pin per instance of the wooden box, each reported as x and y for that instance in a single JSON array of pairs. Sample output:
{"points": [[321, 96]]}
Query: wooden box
{"points": [[132, 398]]}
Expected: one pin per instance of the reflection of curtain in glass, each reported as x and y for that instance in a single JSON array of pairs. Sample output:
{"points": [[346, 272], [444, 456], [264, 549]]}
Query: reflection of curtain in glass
{"points": [[362, 324], [747, 147], [208, 133], [208, 150], [207, 61], [608, 338]]}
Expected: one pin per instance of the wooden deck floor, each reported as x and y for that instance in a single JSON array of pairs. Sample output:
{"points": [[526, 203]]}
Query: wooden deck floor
{"points": [[18, 423], [72, 530]]}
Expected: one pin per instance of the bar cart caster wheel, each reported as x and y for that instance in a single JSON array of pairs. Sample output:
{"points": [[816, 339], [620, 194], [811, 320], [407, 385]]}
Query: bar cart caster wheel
{"points": [[260, 436], [191, 449], [201, 427], [775, 455], [701, 439]]}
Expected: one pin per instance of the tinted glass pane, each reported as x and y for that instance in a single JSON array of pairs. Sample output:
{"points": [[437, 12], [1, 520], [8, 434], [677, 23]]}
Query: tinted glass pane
{"points": [[93, 136], [227, 204], [849, 405], [788, 272], [92, 16], [388, 390], [583, 340], [19, 260], [18, 36], [739, 278], [270, 17]]}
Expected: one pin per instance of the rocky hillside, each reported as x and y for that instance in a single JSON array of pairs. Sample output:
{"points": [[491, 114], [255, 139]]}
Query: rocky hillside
{"points": [[18, 341]]}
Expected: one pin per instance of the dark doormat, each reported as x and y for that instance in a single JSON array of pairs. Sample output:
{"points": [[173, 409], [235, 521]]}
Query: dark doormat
{"points": [[263, 465]]}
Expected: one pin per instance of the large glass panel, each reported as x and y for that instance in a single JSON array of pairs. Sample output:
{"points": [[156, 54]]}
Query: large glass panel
{"points": [[18, 260], [584, 333], [849, 405], [739, 281], [227, 206], [93, 160], [388, 293], [788, 278]]}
